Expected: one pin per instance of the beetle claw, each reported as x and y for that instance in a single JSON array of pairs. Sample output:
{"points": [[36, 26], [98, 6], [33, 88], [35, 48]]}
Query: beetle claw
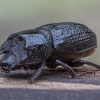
{"points": [[31, 80], [2, 70], [5, 70], [78, 76]]}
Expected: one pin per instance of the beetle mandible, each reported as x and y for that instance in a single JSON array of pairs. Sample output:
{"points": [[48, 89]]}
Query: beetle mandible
{"points": [[49, 45]]}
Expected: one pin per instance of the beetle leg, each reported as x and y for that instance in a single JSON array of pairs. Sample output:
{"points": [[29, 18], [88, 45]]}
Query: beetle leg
{"points": [[82, 62], [75, 64], [68, 68], [37, 73], [90, 72]]}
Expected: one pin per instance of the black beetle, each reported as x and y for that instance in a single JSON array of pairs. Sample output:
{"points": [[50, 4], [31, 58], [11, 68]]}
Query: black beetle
{"points": [[49, 45]]}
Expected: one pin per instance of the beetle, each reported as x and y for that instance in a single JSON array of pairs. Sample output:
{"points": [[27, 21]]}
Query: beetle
{"points": [[49, 45]]}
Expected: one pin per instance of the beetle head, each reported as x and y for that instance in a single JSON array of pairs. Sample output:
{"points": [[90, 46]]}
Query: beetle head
{"points": [[14, 52]]}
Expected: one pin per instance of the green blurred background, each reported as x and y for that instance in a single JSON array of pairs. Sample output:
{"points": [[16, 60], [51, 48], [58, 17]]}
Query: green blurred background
{"points": [[18, 15]]}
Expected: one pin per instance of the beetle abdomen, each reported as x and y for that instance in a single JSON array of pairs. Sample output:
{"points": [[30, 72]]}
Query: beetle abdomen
{"points": [[71, 37]]}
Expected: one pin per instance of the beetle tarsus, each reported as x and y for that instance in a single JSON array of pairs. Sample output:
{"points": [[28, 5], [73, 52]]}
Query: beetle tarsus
{"points": [[88, 72], [37, 74]]}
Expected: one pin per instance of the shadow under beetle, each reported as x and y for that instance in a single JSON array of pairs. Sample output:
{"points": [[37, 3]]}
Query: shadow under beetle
{"points": [[48, 45]]}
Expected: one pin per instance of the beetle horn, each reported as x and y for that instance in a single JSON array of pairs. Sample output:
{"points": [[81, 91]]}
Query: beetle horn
{"points": [[5, 47], [1, 51]]}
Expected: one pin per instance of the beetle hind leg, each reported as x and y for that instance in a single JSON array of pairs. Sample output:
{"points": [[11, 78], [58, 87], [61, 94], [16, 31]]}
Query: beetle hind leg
{"points": [[37, 73], [68, 68], [89, 63], [82, 62]]}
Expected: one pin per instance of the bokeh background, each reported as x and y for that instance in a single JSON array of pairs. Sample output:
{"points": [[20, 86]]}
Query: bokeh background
{"points": [[18, 15]]}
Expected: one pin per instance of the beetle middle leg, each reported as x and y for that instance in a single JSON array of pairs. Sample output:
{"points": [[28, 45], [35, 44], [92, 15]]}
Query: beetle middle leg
{"points": [[37, 73]]}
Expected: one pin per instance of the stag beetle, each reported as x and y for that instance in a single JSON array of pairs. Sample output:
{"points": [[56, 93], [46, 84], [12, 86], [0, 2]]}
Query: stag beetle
{"points": [[49, 45]]}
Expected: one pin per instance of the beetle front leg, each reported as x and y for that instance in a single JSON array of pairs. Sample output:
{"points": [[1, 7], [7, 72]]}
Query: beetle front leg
{"points": [[37, 73], [68, 68]]}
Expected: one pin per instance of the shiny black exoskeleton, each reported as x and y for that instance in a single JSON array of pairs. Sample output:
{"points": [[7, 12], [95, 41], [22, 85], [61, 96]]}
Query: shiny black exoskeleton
{"points": [[48, 45]]}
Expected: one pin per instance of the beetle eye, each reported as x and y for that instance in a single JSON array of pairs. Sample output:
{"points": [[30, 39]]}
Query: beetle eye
{"points": [[20, 38], [10, 39]]}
